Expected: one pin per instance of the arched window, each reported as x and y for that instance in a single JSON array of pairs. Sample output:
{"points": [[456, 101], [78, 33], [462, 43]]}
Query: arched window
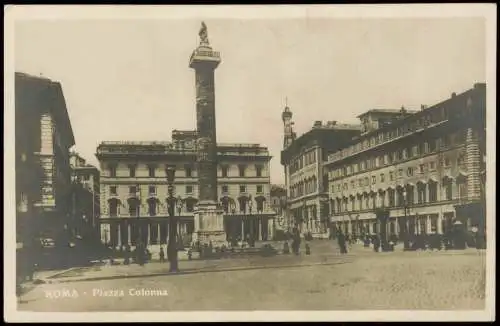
{"points": [[462, 187], [400, 195], [152, 206], [409, 194], [260, 203], [113, 207], [134, 207], [381, 195], [421, 191], [243, 204], [448, 188], [432, 191], [392, 197]]}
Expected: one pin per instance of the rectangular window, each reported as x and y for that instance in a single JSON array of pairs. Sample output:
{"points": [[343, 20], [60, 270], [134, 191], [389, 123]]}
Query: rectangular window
{"points": [[421, 168], [382, 177], [224, 171], [409, 172], [446, 161], [152, 190], [415, 151], [432, 166], [391, 176], [432, 146], [260, 189], [112, 190], [112, 171], [189, 189], [241, 170], [189, 171], [224, 189], [132, 190], [426, 148], [243, 189], [151, 170], [405, 154], [258, 170], [374, 179], [400, 172], [434, 223], [131, 170]]}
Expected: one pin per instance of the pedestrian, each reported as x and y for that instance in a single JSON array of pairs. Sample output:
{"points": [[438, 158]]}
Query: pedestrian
{"points": [[127, 256], [341, 240], [286, 248], [376, 243], [308, 249], [162, 255]]}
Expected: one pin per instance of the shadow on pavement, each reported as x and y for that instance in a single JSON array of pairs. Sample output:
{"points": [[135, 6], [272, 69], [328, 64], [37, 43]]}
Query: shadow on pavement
{"points": [[202, 270]]}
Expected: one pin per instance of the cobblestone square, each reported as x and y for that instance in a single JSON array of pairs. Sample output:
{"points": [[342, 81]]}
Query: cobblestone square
{"points": [[361, 280]]}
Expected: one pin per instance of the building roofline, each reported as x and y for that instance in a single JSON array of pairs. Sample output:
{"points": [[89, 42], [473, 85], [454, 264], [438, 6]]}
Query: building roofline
{"points": [[387, 111]]}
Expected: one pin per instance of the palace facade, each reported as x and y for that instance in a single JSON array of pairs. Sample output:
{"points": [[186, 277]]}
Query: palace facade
{"points": [[425, 169], [306, 179], [134, 189]]}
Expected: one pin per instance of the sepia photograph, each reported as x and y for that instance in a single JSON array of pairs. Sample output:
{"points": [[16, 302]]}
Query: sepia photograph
{"points": [[266, 163]]}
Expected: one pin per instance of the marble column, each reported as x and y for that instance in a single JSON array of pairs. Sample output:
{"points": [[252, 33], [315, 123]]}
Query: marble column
{"points": [[259, 236], [148, 240], [158, 237], [242, 229], [440, 223], [119, 231], [129, 234]]}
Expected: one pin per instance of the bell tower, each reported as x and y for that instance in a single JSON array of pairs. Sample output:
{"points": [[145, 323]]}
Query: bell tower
{"points": [[289, 135]]}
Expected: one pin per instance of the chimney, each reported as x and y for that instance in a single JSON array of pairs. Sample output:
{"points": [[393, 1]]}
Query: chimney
{"points": [[423, 107], [317, 123], [453, 94], [332, 123]]}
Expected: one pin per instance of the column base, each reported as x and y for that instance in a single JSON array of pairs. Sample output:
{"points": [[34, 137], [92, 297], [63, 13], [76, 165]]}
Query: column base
{"points": [[209, 225]]}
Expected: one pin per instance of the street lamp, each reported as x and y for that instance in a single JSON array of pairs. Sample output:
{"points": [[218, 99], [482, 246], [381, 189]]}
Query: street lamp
{"points": [[250, 220], [406, 241], [179, 204], [172, 230], [232, 210]]}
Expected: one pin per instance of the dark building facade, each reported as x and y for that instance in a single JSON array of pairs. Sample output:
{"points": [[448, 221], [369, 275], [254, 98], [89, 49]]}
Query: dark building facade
{"points": [[86, 197], [43, 139]]}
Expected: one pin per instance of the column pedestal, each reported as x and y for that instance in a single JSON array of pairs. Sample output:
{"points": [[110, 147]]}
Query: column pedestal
{"points": [[210, 222]]}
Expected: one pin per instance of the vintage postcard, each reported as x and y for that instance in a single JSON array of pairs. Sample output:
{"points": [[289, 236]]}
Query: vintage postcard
{"points": [[250, 163]]}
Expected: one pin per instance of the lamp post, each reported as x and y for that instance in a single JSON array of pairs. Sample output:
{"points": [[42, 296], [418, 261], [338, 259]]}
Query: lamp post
{"points": [[250, 219], [406, 241], [179, 205], [232, 209], [172, 229]]}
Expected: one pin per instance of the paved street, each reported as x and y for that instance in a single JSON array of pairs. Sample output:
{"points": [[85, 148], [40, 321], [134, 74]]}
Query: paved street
{"points": [[323, 281]]}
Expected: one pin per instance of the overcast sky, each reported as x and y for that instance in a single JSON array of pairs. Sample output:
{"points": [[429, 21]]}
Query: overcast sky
{"points": [[129, 79]]}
